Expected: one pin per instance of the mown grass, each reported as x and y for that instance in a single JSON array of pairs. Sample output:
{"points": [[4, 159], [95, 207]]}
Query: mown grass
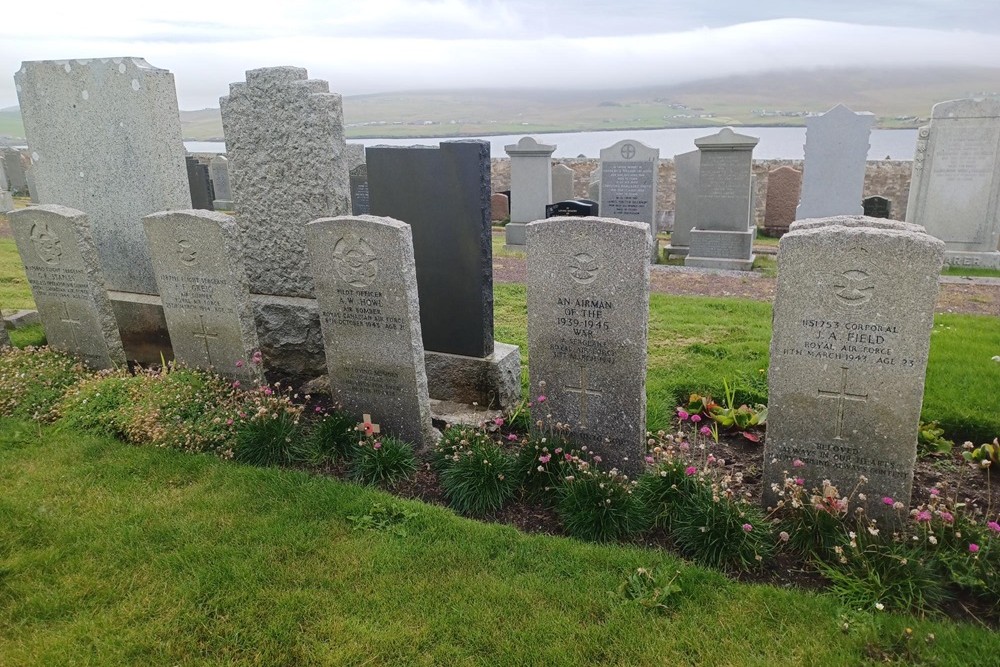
{"points": [[15, 292], [970, 271], [111, 554]]}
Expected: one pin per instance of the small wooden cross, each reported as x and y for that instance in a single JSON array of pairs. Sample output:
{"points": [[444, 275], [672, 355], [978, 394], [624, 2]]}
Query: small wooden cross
{"points": [[367, 424]]}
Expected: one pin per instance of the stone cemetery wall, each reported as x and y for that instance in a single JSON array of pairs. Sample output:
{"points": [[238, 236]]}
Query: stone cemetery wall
{"points": [[198, 263], [588, 310], [851, 332], [61, 261], [366, 287]]}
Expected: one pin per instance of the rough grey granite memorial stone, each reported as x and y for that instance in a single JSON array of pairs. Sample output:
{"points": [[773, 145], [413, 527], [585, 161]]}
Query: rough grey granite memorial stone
{"points": [[443, 193], [562, 183], [723, 235], [288, 165], [629, 174], [366, 287], [17, 178], [6, 202], [61, 262], [105, 138], [836, 150], [218, 170], [851, 331], [783, 187], [198, 263], [200, 183], [955, 183], [530, 186], [686, 167], [588, 310]]}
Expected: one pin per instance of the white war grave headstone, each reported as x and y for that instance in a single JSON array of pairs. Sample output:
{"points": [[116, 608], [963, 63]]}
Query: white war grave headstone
{"points": [[836, 151], [218, 170]]}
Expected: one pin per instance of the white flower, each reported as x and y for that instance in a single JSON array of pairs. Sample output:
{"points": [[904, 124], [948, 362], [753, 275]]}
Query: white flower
{"points": [[879, 606]]}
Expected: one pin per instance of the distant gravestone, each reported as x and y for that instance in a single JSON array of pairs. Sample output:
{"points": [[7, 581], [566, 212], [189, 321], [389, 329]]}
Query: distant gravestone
{"points": [[851, 332], [562, 183], [4, 338], [6, 202], [588, 305], [877, 207], [198, 262], [366, 287], [360, 201], [723, 235], [576, 208], [29, 176], [17, 179], [628, 185], [833, 177], [4, 183], [218, 170], [105, 138], [61, 262], [202, 194], [355, 156], [686, 168], [955, 185], [783, 187], [530, 186], [288, 165], [444, 195], [499, 207]]}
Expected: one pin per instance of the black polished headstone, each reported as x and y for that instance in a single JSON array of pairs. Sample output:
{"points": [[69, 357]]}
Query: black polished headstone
{"points": [[360, 204], [202, 192], [877, 207], [444, 195], [572, 208]]}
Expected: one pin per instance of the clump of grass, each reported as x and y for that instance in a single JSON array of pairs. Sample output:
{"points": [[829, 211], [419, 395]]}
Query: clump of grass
{"points": [[331, 438], [382, 461], [34, 380], [720, 532], [479, 476], [272, 433], [601, 506]]}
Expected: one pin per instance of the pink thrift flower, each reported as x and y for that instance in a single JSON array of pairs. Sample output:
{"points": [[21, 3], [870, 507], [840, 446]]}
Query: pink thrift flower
{"points": [[239, 363], [319, 409], [797, 463], [542, 398], [799, 481], [377, 445], [994, 526], [682, 414], [704, 430], [545, 459], [597, 459], [649, 459], [229, 422], [568, 457], [558, 450], [946, 517], [973, 548], [690, 470], [511, 437], [695, 418], [498, 421], [888, 501], [711, 458], [924, 517], [935, 492], [236, 384], [684, 446], [747, 528], [257, 357]]}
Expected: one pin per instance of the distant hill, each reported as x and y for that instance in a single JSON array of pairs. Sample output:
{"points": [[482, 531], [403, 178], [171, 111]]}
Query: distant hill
{"points": [[898, 97]]}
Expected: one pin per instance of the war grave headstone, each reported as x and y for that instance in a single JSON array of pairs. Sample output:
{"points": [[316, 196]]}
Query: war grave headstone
{"points": [[783, 187], [366, 287], [686, 166], [851, 332], [443, 193], [723, 235], [29, 177], [288, 166], [202, 194], [955, 183], [628, 185], [17, 180], [499, 206], [6, 202], [104, 137], [877, 206], [573, 208], [60, 259], [530, 186], [562, 183], [218, 170], [198, 263], [588, 311], [360, 202], [833, 175]]}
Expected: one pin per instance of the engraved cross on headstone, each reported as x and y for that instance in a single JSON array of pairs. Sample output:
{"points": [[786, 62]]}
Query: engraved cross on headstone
{"points": [[842, 396], [73, 325], [584, 392], [205, 335]]}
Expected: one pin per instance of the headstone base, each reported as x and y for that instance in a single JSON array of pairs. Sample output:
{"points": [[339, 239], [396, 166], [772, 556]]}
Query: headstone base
{"points": [[514, 233], [515, 248], [290, 338], [491, 382], [981, 260], [676, 251], [712, 249], [222, 205], [719, 263], [142, 326]]}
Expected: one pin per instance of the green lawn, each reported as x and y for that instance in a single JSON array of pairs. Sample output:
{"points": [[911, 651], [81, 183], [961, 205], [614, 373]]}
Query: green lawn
{"points": [[118, 555]]}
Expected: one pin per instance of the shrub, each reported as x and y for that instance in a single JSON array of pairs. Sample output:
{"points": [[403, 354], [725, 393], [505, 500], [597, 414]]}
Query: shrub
{"points": [[600, 506], [34, 380], [384, 460], [479, 477], [714, 530]]}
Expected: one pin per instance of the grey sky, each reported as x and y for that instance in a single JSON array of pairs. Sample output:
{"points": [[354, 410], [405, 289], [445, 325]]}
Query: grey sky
{"points": [[364, 46]]}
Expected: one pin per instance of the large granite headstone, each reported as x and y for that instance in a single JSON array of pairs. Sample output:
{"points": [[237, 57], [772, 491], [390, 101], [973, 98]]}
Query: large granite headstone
{"points": [[218, 170], [444, 195], [360, 202], [588, 310], [562, 183], [105, 138], [877, 206], [63, 269], [530, 186], [288, 165], [202, 193], [955, 184], [851, 332], [629, 177], [198, 263], [366, 287], [836, 150], [783, 187], [723, 235]]}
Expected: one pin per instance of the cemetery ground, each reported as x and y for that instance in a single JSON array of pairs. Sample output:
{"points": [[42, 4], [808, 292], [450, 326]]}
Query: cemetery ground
{"points": [[227, 562]]}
